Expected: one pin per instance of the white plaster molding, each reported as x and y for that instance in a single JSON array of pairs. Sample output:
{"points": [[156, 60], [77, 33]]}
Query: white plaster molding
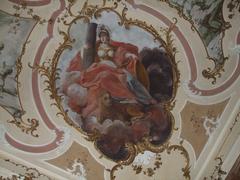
{"points": [[3, 141], [213, 121], [144, 158], [65, 140], [78, 170]]}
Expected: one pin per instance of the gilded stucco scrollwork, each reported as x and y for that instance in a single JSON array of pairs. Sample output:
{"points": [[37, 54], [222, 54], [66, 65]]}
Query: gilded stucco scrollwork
{"points": [[233, 6], [20, 171], [11, 67], [51, 73], [149, 171], [210, 26], [218, 172], [118, 89], [49, 68]]}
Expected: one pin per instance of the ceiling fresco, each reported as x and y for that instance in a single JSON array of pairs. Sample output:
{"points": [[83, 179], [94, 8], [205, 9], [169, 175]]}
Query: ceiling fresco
{"points": [[132, 89]]}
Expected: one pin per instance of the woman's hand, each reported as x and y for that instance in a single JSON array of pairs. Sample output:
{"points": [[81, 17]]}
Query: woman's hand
{"points": [[130, 56]]}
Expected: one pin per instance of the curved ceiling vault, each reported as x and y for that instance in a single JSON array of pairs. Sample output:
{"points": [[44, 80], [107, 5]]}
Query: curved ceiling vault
{"points": [[132, 89]]}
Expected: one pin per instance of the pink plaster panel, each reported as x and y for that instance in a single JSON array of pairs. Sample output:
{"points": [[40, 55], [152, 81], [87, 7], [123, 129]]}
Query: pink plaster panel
{"points": [[36, 94]]}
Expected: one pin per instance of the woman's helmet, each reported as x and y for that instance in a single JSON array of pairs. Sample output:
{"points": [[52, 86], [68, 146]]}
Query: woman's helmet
{"points": [[103, 29]]}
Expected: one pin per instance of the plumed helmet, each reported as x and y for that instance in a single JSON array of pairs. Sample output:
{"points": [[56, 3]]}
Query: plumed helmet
{"points": [[103, 29]]}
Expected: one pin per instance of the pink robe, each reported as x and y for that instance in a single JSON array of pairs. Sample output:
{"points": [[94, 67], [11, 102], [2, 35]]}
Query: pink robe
{"points": [[100, 78]]}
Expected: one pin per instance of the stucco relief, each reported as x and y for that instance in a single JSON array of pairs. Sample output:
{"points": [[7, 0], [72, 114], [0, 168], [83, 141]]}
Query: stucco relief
{"points": [[199, 122], [81, 126], [78, 161]]}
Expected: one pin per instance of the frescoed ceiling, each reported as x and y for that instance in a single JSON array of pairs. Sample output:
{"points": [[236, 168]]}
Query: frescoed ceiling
{"points": [[111, 89]]}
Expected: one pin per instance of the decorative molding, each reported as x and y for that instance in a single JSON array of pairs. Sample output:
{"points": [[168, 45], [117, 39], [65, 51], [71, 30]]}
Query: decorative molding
{"points": [[49, 69], [151, 171], [218, 62], [210, 124], [201, 122], [229, 132], [64, 141], [144, 159], [236, 120], [27, 127], [80, 156], [77, 169], [217, 173], [191, 84], [31, 3], [21, 171], [30, 125], [233, 6], [3, 130], [39, 105]]}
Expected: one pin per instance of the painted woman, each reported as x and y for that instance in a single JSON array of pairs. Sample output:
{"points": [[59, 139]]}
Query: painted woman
{"points": [[115, 70]]}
